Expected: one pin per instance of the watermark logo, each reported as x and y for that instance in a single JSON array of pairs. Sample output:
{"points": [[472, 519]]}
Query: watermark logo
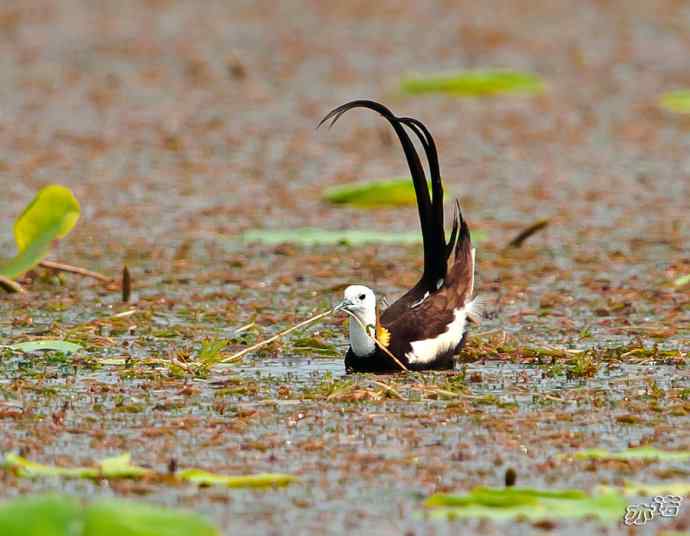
{"points": [[661, 506]]}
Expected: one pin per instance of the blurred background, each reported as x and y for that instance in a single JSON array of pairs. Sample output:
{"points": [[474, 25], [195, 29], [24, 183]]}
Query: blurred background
{"points": [[183, 118]]}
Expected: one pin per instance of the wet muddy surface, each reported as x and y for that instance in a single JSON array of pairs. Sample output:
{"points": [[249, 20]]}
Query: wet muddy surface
{"points": [[179, 127]]}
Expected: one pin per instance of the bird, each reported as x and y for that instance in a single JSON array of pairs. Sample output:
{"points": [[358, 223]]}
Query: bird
{"points": [[426, 326]]}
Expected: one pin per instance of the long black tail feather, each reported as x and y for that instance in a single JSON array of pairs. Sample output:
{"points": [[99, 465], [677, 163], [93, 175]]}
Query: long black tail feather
{"points": [[436, 183], [435, 247]]}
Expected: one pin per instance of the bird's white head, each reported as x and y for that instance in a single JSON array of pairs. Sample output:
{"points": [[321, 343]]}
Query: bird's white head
{"points": [[360, 301]]}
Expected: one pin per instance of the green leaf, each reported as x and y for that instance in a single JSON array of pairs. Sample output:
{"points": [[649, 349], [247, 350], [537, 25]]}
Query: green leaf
{"points": [[311, 236], [262, 480], [45, 515], [384, 193], [53, 515], [28, 469], [128, 518], [639, 453], [532, 504], [51, 215], [682, 281], [211, 351], [115, 467], [121, 467], [475, 83], [676, 101], [47, 344], [639, 489]]}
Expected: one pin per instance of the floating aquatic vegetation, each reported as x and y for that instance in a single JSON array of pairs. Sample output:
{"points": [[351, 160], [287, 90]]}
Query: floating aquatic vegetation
{"points": [[262, 480], [54, 515], [211, 351], [682, 281], [529, 503], [51, 215], [640, 489], [121, 467], [639, 453], [676, 101], [383, 193], [312, 236], [474, 83], [115, 467], [65, 347]]}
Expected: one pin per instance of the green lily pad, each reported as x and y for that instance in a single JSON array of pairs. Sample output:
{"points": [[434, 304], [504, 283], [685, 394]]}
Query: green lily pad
{"points": [[53, 515], [47, 344], [51, 215], [639, 453], [312, 236], [129, 518], [262, 480], [374, 194], [474, 83], [44, 515], [676, 101], [115, 467], [640, 489], [532, 504]]}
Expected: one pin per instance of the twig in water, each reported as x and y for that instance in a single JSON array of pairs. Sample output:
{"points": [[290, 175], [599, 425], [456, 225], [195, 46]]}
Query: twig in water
{"points": [[239, 355], [526, 233], [10, 286], [126, 284], [60, 267]]}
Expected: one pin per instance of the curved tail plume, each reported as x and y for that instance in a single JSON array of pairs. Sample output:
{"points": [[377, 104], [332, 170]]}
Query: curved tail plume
{"points": [[436, 250]]}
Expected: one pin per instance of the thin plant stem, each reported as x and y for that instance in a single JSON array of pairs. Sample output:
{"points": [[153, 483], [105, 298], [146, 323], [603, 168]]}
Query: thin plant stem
{"points": [[239, 355]]}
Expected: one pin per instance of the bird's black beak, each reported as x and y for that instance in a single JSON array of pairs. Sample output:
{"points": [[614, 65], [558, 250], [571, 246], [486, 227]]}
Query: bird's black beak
{"points": [[344, 305]]}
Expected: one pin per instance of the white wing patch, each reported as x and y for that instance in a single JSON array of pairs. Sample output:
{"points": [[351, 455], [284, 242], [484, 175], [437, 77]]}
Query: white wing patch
{"points": [[417, 303], [427, 350]]}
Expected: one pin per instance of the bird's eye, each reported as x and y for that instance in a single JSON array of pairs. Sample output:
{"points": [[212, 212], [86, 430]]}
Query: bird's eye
{"points": [[362, 297]]}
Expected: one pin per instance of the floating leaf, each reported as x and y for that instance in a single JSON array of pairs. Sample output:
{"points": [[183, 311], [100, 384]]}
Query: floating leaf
{"points": [[51, 215], [682, 281], [53, 515], [262, 480], [44, 515], [475, 83], [28, 469], [115, 467], [129, 518], [121, 467], [311, 236], [47, 344], [533, 504], [386, 193], [639, 453], [639, 489], [676, 101]]}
